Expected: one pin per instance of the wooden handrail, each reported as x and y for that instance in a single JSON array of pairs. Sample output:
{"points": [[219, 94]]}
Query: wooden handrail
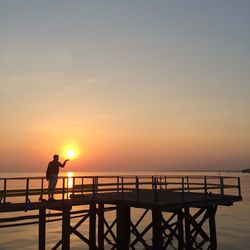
{"points": [[119, 184]]}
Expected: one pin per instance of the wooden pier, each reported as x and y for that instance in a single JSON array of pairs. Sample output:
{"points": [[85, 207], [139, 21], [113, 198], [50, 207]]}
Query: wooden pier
{"points": [[181, 209]]}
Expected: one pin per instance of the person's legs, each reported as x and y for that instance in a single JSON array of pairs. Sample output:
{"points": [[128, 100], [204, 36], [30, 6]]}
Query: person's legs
{"points": [[52, 186]]}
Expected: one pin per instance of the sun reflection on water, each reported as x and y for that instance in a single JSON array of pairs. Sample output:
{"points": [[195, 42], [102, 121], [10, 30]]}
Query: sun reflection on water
{"points": [[70, 179]]}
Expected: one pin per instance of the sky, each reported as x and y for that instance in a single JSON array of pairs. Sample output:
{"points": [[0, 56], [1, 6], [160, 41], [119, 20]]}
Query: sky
{"points": [[135, 85]]}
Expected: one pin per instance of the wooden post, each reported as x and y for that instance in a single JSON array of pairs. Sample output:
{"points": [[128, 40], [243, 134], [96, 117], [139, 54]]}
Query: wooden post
{"points": [[123, 227], [222, 186], [137, 188], [63, 189], [187, 184], [212, 227], [4, 189], [155, 189], [27, 192], [92, 226], [205, 186], [239, 189], [93, 188], [118, 184], [180, 230], [122, 189], [157, 229], [187, 229], [82, 185], [101, 226], [66, 228], [182, 189], [42, 228]]}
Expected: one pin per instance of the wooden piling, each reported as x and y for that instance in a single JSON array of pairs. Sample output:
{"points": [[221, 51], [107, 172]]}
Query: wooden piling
{"points": [[180, 230], [123, 227], [157, 229], [92, 226], [42, 229], [212, 227], [101, 226], [66, 228], [187, 229]]}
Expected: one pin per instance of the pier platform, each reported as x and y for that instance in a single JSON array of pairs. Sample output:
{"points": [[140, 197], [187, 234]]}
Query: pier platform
{"points": [[182, 209]]}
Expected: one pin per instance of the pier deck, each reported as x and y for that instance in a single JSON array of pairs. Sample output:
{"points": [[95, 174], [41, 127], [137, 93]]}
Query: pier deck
{"points": [[168, 198]]}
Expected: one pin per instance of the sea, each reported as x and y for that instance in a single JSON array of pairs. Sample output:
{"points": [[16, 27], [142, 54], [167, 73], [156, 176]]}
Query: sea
{"points": [[232, 222]]}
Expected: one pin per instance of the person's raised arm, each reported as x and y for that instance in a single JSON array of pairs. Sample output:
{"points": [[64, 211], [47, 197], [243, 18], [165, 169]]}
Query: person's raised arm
{"points": [[64, 163]]}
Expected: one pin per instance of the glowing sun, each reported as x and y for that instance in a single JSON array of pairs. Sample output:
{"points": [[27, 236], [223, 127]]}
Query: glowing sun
{"points": [[71, 154]]}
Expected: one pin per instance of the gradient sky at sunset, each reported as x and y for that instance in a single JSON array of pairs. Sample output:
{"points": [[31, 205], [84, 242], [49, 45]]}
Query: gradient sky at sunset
{"points": [[133, 85]]}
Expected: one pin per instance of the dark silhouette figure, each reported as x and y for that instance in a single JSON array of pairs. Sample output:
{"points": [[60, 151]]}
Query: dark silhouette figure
{"points": [[52, 174]]}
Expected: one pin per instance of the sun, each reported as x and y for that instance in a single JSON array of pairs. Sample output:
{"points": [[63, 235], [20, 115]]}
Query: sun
{"points": [[70, 151], [71, 154]]}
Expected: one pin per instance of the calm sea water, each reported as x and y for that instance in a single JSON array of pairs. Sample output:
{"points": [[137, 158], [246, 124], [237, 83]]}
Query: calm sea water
{"points": [[233, 223]]}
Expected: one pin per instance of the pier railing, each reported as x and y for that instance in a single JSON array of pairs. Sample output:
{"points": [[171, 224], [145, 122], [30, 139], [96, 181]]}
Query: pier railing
{"points": [[33, 189]]}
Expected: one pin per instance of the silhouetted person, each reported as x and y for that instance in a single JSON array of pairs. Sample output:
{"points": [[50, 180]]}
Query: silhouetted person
{"points": [[52, 174]]}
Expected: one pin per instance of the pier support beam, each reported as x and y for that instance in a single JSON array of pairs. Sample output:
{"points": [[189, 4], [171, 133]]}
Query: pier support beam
{"points": [[66, 228], [101, 226], [180, 230], [92, 227], [42, 228], [157, 229], [123, 227], [188, 234], [212, 227]]}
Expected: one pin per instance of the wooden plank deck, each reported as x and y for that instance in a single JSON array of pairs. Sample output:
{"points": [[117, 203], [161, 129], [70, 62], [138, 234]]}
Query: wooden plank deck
{"points": [[166, 200]]}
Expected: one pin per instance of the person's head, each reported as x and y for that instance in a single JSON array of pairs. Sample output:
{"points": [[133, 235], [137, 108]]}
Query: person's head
{"points": [[56, 157]]}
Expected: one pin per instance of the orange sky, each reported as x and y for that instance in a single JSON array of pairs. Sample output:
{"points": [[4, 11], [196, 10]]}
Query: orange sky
{"points": [[163, 88]]}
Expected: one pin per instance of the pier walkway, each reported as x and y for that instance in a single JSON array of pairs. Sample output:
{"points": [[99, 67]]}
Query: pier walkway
{"points": [[182, 209]]}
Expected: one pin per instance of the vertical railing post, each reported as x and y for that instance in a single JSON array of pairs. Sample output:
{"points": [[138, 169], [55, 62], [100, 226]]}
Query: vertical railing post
{"points": [[67, 188], [182, 188], [239, 188], [4, 190], [221, 186], [41, 194], [205, 186], [27, 192], [73, 186], [96, 184], [93, 188], [137, 187], [122, 188], [117, 182], [187, 183], [155, 189], [63, 188], [82, 184]]}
